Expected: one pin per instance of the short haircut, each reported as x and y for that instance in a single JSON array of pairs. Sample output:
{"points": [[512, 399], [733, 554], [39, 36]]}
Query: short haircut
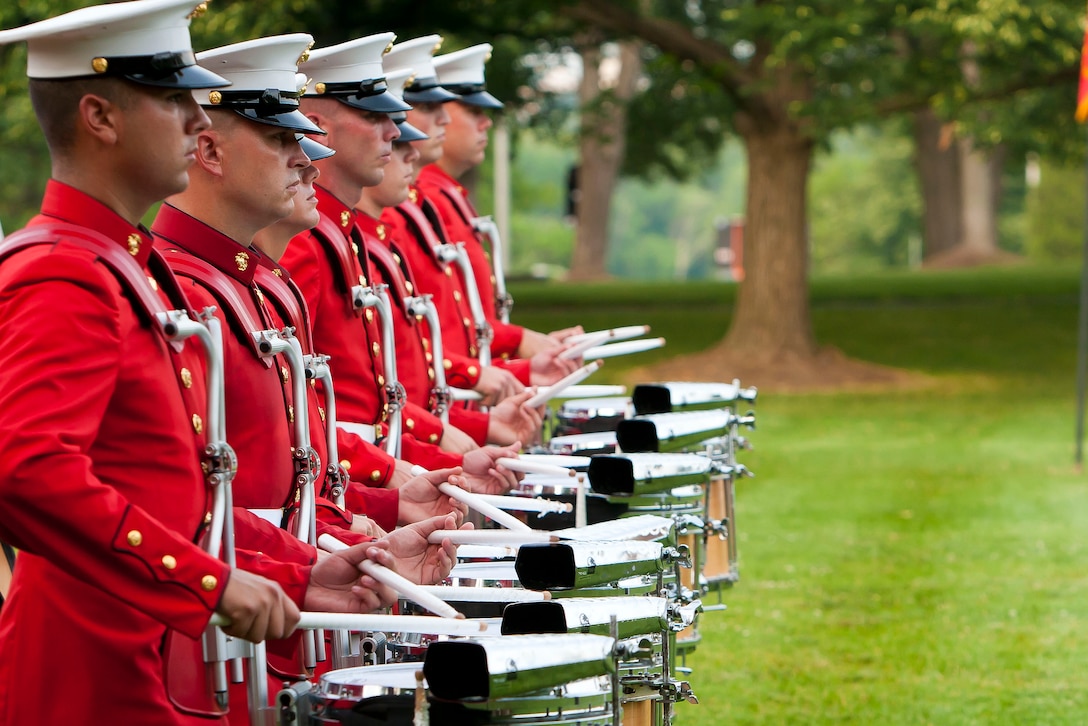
{"points": [[56, 103]]}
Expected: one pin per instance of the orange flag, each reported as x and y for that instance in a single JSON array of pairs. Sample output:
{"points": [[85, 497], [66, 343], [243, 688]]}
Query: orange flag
{"points": [[1082, 89]]}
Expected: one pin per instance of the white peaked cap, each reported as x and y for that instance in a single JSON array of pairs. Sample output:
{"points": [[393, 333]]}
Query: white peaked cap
{"points": [[462, 73], [463, 67], [351, 62], [255, 65], [398, 79], [417, 54], [126, 35]]}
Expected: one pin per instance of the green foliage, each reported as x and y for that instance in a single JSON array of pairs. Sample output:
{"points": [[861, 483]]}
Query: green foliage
{"points": [[1056, 214], [863, 201]]}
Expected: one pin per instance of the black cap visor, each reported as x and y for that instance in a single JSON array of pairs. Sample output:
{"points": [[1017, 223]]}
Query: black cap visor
{"points": [[428, 93], [293, 120], [169, 69], [313, 149], [483, 99], [408, 132], [384, 102]]}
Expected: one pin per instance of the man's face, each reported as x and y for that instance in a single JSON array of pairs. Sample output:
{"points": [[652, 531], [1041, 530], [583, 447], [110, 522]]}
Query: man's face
{"points": [[159, 137], [363, 141], [466, 134], [432, 119], [305, 215], [262, 168], [398, 175]]}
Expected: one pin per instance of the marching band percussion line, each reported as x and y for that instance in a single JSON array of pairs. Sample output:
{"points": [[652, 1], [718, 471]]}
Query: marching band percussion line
{"points": [[526, 504], [577, 349], [527, 466], [625, 348], [625, 332], [402, 585], [426, 624], [556, 388], [483, 507], [491, 536]]}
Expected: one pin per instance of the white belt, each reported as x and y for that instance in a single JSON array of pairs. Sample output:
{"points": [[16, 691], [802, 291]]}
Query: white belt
{"points": [[274, 516], [366, 432]]}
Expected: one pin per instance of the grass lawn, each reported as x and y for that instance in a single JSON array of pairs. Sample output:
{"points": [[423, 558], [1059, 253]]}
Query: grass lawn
{"points": [[907, 557]]}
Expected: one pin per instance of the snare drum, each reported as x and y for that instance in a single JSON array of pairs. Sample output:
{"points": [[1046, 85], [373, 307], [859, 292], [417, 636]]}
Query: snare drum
{"points": [[687, 506], [586, 702], [588, 415], [720, 541], [378, 694], [565, 489]]}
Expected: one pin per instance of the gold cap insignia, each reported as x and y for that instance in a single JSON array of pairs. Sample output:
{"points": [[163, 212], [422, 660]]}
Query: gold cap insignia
{"points": [[345, 218], [409, 80], [99, 65], [305, 54], [134, 244], [438, 45], [242, 261], [199, 10], [388, 48], [380, 230]]}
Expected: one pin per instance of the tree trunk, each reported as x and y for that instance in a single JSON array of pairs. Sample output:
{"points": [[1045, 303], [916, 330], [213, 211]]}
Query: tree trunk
{"points": [[938, 164], [772, 315], [602, 149], [979, 214]]}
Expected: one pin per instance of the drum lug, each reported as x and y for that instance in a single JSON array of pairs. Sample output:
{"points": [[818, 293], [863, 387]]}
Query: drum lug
{"points": [[296, 703]]}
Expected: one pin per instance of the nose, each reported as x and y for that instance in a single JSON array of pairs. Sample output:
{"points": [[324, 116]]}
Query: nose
{"points": [[298, 160], [390, 132], [198, 119], [442, 118]]}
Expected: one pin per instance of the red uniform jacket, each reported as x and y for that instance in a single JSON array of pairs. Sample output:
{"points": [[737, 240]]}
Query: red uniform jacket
{"points": [[101, 427], [414, 360], [325, 263], [456, 212], [416, 226], [217, 271]]}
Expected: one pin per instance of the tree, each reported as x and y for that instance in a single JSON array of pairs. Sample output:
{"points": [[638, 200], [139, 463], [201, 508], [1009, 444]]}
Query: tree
{"points": [[795, 70]]}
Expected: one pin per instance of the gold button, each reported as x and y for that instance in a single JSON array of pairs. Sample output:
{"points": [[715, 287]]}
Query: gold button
{"points": [[169, 562], [198, 425], [457, 295], [492, 279], [135, 538], [291, 414], [134, 244], [408, 287], [430, 374], [375, 475], [413, 195], [473, 370], [153, 282], [362, 280], [215, 98], [186, 377], [426, 344], [381, 380], [99, 65], [346, 464], [319, 87], [410, 423], [375, 348], [447, 364], [369, 315], [355, 248], [396, 258], [429, 357], [284, 373], [241, 261], [321, 412], [208, 583], [345, 218], [433, 438], [207, 518], [467, 322], [472, 351]]}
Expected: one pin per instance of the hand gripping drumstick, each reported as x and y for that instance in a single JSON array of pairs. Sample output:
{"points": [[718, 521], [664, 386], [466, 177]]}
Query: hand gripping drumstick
{"points": [[403, 586], [533, 467], [492, 536], [473, 501], [555, 389], [616, 334]]}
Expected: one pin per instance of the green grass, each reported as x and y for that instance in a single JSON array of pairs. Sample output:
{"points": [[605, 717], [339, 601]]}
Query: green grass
{"points": [[907, 557]]}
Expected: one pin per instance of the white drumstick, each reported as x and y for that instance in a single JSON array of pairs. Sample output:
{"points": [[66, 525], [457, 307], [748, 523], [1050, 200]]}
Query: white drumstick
{"points": [[556, 388], [464, 394], [385, 623], [576, 350], [527, 504], [626, 348], [533, 467], [483, 507], [387, 577], [491, 536], [589, 391], [623, 333], [458, 593]]}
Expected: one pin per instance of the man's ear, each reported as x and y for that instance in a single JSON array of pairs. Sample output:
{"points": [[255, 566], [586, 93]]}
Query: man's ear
{"points": [[209, 152], [100, 118]]}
